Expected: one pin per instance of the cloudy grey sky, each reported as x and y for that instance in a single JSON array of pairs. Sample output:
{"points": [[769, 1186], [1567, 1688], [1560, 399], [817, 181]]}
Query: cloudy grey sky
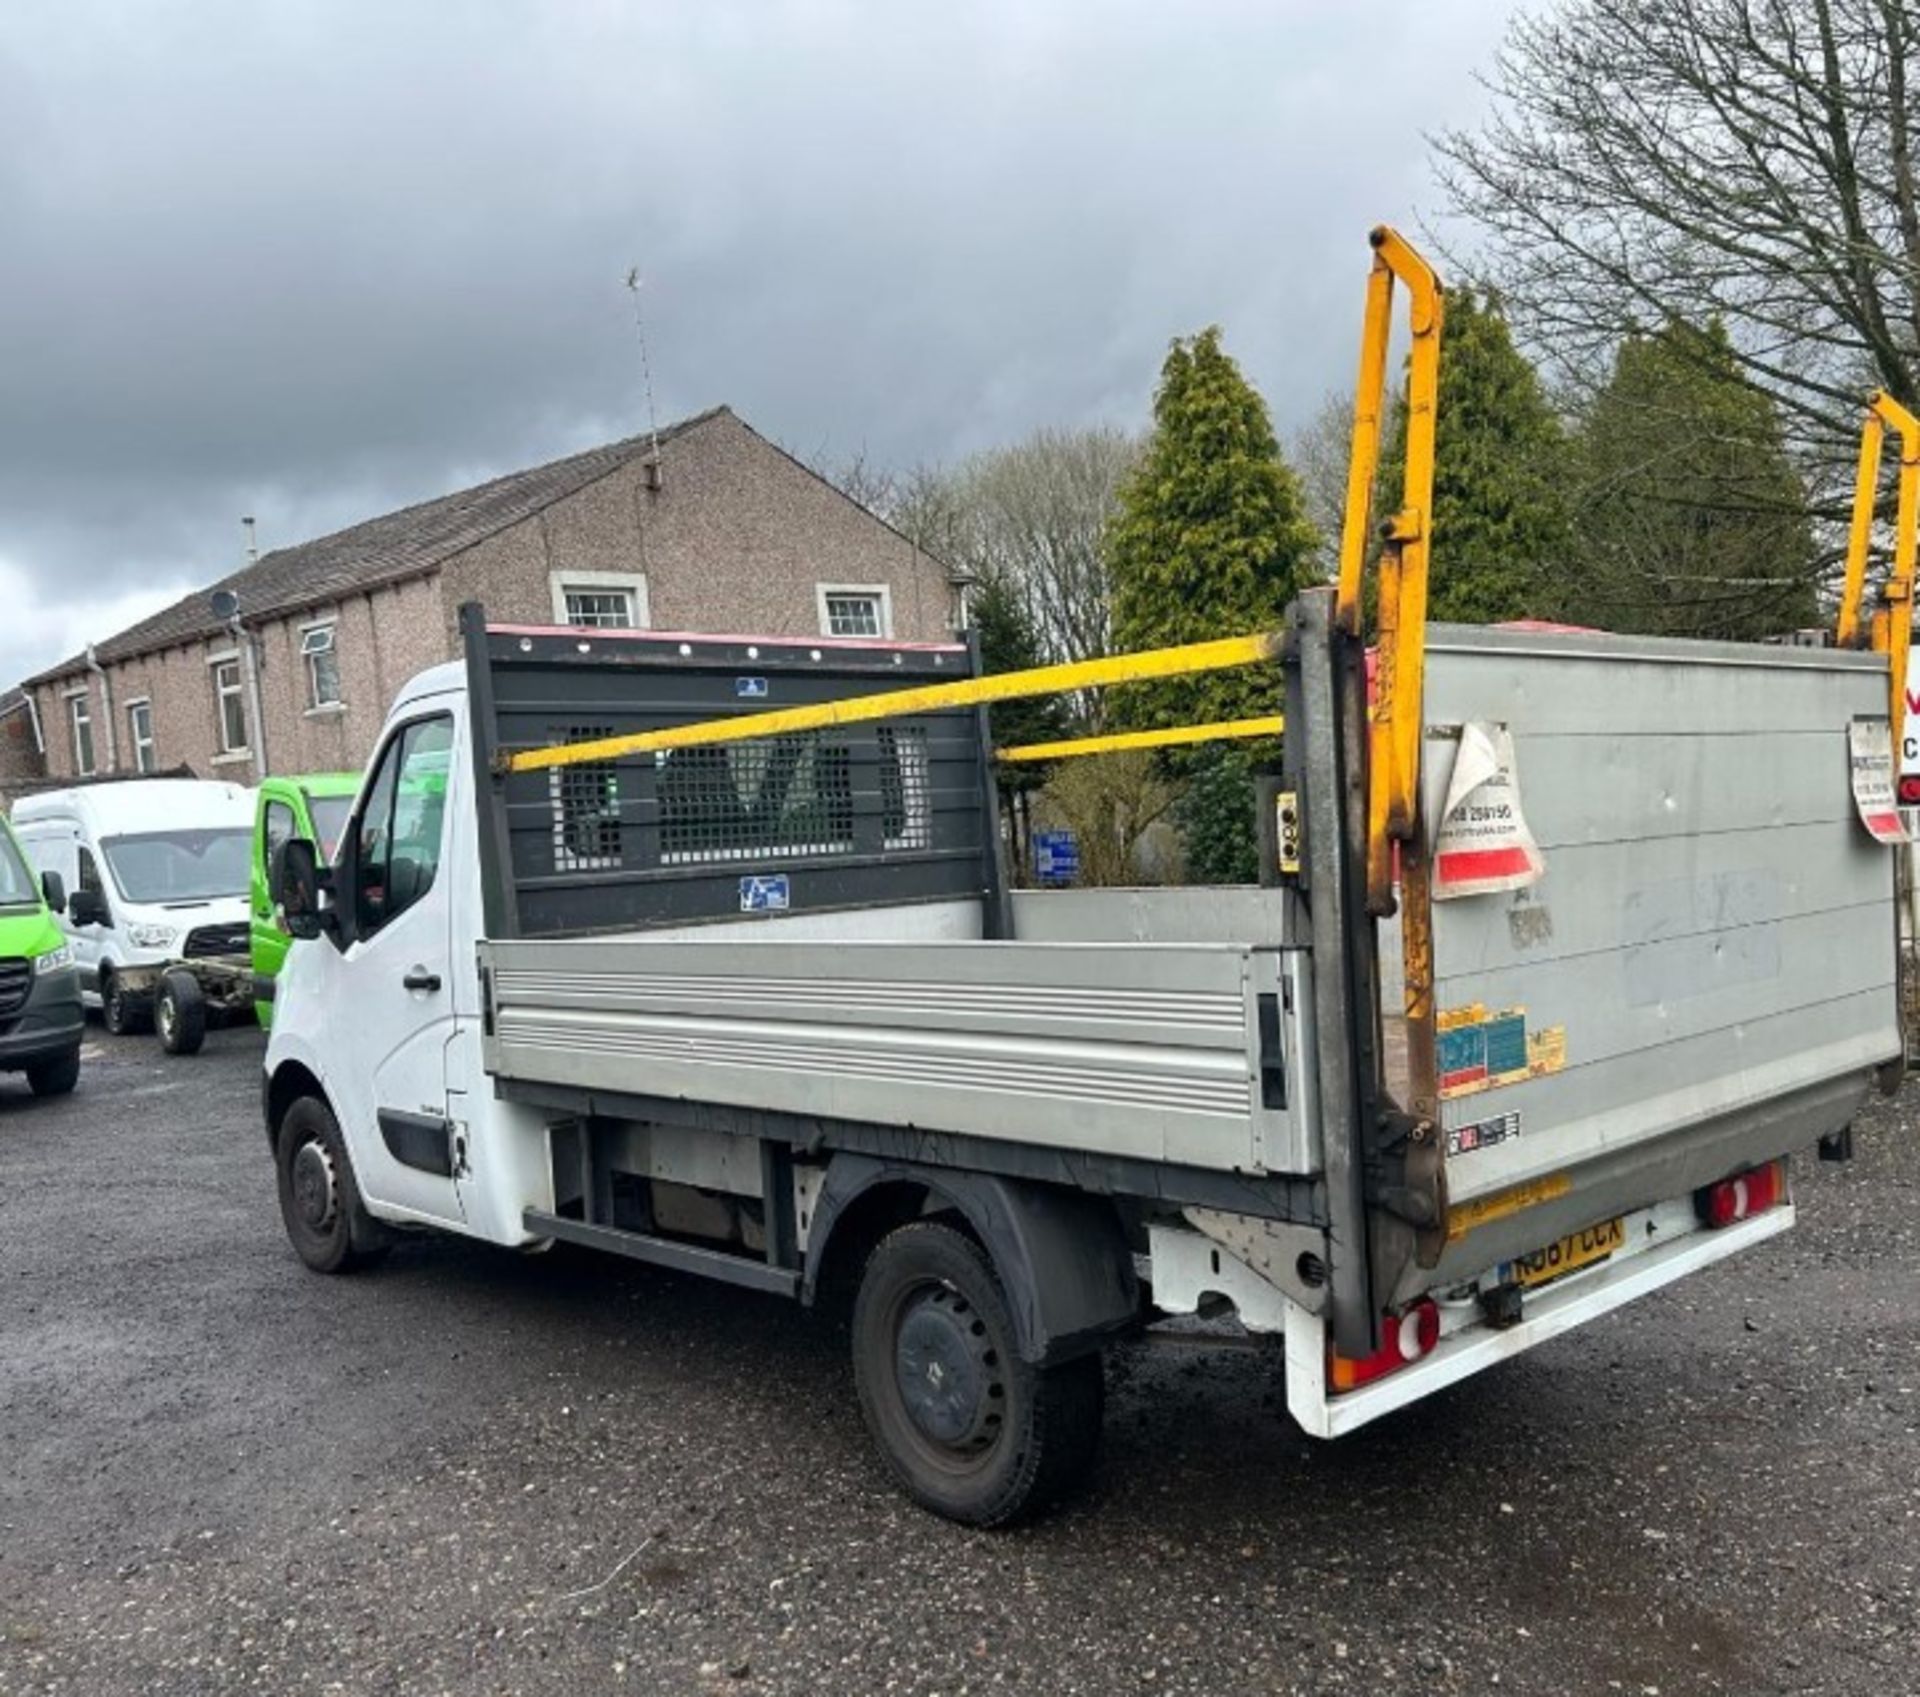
{"points": [[312, 259]]}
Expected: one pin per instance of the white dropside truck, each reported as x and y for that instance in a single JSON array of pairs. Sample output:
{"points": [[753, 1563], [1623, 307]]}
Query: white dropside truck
{"points": [[766, 1010]]}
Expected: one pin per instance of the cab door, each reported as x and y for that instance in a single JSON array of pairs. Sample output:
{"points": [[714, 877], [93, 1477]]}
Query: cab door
{"points": [[391, 988], [269, 943]]}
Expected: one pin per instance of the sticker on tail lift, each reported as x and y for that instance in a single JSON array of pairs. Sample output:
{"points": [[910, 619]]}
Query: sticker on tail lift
{"points": [[1870, 753], [750, 689], [1483, 844], [765, 892], [1481, 1050], [1483, 1134]]}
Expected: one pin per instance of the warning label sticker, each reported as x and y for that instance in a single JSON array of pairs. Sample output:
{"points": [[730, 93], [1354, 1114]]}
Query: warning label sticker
{"points": [[1483, 1134], [1870, 752], [1479, 1050], [1483, 844]]}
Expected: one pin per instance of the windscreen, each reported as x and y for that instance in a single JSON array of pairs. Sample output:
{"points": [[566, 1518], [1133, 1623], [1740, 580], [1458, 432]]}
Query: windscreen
{"points": [[18, 887], [181, 866], [329, 815]]}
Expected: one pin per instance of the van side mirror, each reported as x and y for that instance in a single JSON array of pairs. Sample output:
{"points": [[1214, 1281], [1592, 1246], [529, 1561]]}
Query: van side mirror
{"points": [[293, 878], [54, 888], [87, 907]]}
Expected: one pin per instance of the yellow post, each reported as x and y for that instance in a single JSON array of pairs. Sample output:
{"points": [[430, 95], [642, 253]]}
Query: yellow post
{"points": [[1889, 627], [1393, 760], [1866, 488], [1068, 747], [1363, 462], [1898, 594], [1178, 662]]}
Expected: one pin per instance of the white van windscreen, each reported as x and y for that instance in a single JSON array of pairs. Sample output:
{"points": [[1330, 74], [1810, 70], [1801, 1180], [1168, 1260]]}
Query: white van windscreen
{"points": [[181, 866]]}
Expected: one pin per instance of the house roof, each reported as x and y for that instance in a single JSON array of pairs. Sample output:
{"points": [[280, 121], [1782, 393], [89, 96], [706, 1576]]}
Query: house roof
{"points": [[398, 545]]}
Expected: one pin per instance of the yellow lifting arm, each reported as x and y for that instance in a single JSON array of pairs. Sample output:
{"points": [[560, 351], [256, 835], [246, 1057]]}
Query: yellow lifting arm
{"points": [[1891, 626], [1178, 662], [1394, 740], [1068, 747]]}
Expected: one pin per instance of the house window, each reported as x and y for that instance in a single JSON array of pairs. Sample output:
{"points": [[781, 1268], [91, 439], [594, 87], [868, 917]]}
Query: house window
{"points": [[140, 734], [600, 600], [80, 712], [855, 610], [323, 667], [230, 707]]}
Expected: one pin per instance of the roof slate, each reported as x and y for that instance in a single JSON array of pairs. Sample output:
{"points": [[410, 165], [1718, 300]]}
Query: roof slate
{"points": [[397, 545]]}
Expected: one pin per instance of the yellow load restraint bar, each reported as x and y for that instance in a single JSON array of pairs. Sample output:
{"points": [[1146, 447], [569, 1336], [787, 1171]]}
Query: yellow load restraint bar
{"points": [[1183, 661], [1891, 631], [1068, 747]]}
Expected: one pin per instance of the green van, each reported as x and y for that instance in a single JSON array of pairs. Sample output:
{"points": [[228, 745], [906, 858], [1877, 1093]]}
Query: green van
{"points": [[314, 807], [40, 1019]]}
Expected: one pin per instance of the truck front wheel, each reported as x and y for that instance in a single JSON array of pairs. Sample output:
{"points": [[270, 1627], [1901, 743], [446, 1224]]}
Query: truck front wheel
{"points": [[180, 1012], [969, 1429], [320, 1205], [121, 1011]]}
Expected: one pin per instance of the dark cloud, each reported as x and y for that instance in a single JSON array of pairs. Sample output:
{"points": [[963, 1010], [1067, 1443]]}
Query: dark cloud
{"points": [[313, 260]]}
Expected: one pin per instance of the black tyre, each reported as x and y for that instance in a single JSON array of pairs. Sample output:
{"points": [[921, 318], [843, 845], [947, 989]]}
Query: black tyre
{"points": [[320, 1205], [969, 1429], [55, 1076], [121, 1012], [180, 1012]]}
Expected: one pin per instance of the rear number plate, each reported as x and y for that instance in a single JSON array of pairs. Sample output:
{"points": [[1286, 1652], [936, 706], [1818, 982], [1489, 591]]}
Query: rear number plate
{"points": [[1577, 1249]]}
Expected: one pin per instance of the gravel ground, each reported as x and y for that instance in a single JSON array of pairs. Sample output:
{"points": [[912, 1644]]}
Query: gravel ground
{"points": [[477, 1472]]}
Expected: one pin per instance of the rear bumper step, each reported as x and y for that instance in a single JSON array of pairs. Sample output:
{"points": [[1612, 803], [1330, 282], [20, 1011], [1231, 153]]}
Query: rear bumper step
{"points": [[1550, 1311]]}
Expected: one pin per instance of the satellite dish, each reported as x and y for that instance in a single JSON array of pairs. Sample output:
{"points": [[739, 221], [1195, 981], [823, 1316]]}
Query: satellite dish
{"points": [[225, 604]]}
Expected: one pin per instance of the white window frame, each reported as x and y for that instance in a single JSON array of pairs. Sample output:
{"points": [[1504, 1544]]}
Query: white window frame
{"points": [[79, 713], [315, 706], [229, 657], [633, 584], [878, 592], [142, 746]]}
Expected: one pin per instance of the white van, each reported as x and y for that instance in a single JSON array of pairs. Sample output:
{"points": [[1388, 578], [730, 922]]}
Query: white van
{"points": [[157, 868]]}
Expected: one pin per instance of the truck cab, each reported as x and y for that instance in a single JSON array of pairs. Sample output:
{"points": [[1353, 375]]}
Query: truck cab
{"points": [[313, 806]]}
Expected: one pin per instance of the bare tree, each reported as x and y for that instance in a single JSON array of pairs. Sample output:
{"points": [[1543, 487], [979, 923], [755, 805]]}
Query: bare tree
{"points": [[1032, 516], [1318, 452], [1749, 161]]}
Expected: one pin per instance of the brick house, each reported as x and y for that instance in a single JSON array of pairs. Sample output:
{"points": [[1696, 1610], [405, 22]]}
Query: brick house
{"points": [[719, 530]]}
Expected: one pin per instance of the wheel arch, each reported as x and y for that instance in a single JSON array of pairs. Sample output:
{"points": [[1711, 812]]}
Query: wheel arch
{"points": [[284, 1086], [1061, 1255]]}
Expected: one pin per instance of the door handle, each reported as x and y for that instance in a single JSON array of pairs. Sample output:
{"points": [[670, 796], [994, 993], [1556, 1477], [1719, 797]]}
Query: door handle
{"points": [[419, 978]]}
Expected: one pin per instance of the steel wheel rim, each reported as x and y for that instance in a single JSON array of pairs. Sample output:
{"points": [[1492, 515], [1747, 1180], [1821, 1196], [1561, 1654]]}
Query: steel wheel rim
{"points": [[946, 1376]]}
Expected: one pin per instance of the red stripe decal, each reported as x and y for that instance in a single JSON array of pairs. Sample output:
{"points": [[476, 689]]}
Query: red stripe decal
{"points": [[1483, 863]]}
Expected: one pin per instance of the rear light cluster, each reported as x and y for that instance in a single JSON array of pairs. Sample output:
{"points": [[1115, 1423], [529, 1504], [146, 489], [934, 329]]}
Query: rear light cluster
{"points": [[1744, 1195], [1407, 1336]]}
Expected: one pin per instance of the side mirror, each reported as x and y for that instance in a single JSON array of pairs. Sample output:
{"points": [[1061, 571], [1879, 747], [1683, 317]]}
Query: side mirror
{"points": [[87, 907], [54, 888], [294, 880]]}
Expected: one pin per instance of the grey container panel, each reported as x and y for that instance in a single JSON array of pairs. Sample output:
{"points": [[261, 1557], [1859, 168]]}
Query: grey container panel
{"points": [[1601, 898], [1581, 1112], [1640, 788], [1149, 1052], [1714, 928], [1603, 687]]}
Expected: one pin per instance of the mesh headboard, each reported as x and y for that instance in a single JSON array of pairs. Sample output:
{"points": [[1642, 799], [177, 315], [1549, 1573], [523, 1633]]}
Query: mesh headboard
{"points": [[844, 817]]}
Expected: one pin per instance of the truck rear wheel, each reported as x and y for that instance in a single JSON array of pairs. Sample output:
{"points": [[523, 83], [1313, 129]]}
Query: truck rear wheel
{"points": [[180, 1013], [327, 1223], [969, 1429]]}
